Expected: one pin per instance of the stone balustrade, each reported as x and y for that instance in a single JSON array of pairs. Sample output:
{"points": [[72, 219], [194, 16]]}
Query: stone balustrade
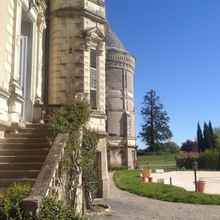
{"points": [[50, 180]]}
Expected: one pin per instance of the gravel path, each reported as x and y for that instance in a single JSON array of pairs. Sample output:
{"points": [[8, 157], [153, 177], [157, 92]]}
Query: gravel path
{"points": [[126, 206]]}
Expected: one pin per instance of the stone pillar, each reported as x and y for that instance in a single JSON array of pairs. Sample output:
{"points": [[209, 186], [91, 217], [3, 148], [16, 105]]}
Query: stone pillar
{"points": [[41, 26], [101, 76], [102, 147]]}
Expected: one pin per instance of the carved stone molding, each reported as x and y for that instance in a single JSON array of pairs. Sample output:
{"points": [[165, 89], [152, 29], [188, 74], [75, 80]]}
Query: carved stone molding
{"points": [[93, 36], [41, 21]]}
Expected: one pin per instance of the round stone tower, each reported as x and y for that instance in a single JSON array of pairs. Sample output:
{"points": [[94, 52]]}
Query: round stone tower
{"points": [[120, 66]]}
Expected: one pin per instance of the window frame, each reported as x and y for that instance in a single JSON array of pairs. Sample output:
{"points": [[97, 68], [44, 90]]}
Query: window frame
{"points": [[93, 79]]}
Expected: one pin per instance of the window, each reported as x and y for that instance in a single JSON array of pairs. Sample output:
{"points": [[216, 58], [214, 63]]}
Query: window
{"points": [[93, 79], [23, 61]]}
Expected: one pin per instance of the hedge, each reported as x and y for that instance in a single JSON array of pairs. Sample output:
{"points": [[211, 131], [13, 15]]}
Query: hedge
{"points": [[208, 160]]}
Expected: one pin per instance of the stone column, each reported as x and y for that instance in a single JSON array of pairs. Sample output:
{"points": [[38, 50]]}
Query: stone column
{"points": [[101, 76], [41, 26], [102, 147]]}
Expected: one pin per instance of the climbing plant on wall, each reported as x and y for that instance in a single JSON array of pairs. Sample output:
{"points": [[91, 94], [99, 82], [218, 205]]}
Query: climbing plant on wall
{"points": [[79, 156]]}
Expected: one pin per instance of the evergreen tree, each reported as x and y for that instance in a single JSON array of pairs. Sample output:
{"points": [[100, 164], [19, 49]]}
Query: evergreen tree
{"points": [[155, 129], [200, 139], [208, 139], [212, 135]]}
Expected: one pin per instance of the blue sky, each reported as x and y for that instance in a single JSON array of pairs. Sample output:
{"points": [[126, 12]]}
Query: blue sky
{"points": [[177, 47]]}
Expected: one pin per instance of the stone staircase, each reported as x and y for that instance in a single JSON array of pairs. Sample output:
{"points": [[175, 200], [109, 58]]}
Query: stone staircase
{"points": [[22, 154]]}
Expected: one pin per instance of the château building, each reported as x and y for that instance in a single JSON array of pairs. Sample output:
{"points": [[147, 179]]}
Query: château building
{"points": [[51, 51]]}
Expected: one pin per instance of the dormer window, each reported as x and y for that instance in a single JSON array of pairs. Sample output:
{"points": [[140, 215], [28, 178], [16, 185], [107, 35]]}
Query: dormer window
{"points": [[93, 79]]}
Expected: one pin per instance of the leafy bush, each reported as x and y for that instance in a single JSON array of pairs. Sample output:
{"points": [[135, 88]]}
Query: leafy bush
{"points": [[11, 206], [70, 117], [185, 160], [209, 160], [131, 182], [189, 146], [52, 209], [11, 201]]}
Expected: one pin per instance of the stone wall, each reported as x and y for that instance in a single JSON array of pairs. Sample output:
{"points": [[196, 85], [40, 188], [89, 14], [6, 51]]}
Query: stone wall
{"points": [[11, 88]]}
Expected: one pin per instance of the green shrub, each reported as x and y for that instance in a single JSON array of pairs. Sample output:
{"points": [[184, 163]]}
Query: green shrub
{"points": [[52, 209], [209, 160], [11, 206], [11, 201], [185, 161]]}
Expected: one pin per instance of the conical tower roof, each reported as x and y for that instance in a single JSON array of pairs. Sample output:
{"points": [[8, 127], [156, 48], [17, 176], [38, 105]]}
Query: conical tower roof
{"points": [[113, 41]]}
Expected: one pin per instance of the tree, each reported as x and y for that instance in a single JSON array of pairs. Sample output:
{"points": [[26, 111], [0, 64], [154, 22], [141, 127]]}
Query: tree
{"points": [[200, 138], [189, 146], [170, 147], [212, 135], [155, 129], [209, 137], [217, 137]]}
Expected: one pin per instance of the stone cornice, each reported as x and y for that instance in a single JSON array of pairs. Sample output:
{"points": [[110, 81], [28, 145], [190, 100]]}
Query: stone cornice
{"points": [[98, 114], [111, 64]]}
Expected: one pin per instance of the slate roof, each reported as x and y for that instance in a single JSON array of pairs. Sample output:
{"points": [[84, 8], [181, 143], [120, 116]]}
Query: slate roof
{"points": [[113, 41]]}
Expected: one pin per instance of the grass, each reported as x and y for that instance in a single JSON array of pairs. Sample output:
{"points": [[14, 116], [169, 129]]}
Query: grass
{"points": [[131, 182], [163, 161]]}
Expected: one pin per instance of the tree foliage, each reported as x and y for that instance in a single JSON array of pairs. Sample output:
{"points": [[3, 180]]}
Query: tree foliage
{"points": [[88, 164], [155, 128], [200, 138], [189, 146], [206, 139]]}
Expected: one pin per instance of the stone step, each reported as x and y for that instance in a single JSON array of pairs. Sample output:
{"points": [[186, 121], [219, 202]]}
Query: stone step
{"points": [[23, 146], [22, 154], [36, 125], [22, 158], [21, 166], [38, 140], [34, 130], [5, 182], [35, 134], [9, 174], [13, 152]]}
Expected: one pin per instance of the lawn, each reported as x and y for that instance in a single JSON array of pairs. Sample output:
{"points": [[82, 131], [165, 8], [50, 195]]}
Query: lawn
{"points": [[131, 182], [164, 161]]}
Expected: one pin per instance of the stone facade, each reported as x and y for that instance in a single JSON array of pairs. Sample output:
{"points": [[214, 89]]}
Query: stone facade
{"points": [[120, 66], [53, 50], [22, 26], [77, 62]]}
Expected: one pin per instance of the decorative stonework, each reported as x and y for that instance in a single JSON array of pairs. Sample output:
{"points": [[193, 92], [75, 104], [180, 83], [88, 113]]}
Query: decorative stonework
{"points": [[41, 20], [93, 36]]}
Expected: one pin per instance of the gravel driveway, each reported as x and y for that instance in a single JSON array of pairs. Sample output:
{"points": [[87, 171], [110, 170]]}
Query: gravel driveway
{"points": [[126, 206]]}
